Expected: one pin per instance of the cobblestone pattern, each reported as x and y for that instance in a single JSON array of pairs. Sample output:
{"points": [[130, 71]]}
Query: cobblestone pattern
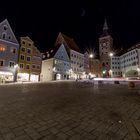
{"points": [[69, 111]]}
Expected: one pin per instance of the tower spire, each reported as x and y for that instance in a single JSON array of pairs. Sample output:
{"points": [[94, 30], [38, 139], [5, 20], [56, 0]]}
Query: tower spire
{"points": [[105, 28]]}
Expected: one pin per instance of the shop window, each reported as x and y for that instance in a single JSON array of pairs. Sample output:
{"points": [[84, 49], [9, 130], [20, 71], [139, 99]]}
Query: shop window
{"points": [[1, 63], [11, 64]]}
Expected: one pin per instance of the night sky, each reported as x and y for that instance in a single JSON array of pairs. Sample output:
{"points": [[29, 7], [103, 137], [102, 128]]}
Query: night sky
{"points": [[81, 20]]}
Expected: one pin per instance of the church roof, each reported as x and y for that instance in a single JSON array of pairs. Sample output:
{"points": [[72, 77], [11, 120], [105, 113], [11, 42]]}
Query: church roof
{"points": [[26, 38]]}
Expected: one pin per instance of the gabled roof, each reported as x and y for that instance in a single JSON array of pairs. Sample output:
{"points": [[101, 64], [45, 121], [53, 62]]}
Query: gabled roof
{"points": [[26, 38], [67, 41], [9, 31]]}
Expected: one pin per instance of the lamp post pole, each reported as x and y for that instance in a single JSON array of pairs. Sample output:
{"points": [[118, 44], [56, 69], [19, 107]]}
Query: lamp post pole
{"points": [[110, 72], [15, 72], [90, 57]]}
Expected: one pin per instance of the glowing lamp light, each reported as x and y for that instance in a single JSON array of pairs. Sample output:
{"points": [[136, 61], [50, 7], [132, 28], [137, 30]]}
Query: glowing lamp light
{"points": [[91, 56], [104, 72], [111, 54]]}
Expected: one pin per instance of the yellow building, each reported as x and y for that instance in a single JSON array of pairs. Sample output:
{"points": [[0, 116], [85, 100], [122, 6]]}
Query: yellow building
{"points": [[27, 70]]}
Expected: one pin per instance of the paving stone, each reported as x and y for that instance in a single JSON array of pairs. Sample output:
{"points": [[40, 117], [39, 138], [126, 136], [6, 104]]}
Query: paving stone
{"points": [[62, 136], [9, 136], [75, 137], [23, 137]]}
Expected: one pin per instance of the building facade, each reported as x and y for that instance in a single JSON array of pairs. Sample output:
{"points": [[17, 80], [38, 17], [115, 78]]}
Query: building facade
{"points": [[105, 48], [86, 65], [56, 64], [29, 61], [76, 57], [126, 64], [95, 67], [9, 48]]}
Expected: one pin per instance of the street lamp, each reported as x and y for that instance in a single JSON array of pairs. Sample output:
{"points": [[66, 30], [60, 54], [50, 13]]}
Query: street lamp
{"points": [[91, 55], [111, 54]]}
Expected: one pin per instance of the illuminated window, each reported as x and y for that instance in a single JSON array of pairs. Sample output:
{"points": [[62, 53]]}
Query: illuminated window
{"points": [[1, 63], [11, 64], [2, 49], [13, 50], [21, 66]]}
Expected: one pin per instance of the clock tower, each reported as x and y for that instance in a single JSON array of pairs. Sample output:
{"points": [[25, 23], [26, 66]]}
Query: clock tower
{"points": [[105, 47]]}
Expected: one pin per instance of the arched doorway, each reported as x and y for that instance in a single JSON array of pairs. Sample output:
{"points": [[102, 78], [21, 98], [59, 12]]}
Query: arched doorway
{"points": [[131, 73]]}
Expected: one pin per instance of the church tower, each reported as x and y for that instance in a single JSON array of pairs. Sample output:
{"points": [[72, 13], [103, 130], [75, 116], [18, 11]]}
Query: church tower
{"points": [[105, 47]]}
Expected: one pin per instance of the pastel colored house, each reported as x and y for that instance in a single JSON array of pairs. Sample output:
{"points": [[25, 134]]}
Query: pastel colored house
{"points": [[30, 60], [9, 48]]}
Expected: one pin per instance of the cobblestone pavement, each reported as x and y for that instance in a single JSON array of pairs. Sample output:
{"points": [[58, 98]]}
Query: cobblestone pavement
{"points": [[69, 111]]}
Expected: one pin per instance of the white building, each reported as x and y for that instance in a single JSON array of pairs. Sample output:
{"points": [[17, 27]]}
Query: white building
{"points": [[55, 64], [76, 57], [126, 64]]}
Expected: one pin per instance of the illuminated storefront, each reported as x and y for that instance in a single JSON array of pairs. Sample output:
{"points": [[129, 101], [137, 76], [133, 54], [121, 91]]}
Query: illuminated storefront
{"points": [[6, 76], [22, 77], [34, 78]]}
